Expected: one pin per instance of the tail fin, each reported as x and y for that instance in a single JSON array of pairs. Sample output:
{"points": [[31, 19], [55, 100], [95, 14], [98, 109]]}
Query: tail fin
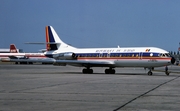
{"points": [[13, 49], [53, 42]]}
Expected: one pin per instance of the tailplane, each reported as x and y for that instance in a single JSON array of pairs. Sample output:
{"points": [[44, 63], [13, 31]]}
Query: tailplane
{"points": [[13, 49], [53, 42]]}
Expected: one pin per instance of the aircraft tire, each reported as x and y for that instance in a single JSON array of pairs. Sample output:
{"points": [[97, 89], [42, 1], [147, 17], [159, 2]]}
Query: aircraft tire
{"points": [[30, 62], [150, 73], [87, 71], [113, 71], [107, 71], [84, 71], [110, 71], [167, 73], [90, 71]]}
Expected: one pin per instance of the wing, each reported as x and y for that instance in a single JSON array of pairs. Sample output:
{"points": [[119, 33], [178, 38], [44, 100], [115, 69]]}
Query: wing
{"points": [[18, 57], [84, 63], [28, 60], [41, 43]]}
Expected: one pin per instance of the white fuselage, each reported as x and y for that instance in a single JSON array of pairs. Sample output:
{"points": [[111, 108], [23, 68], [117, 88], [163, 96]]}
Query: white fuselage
{"points": [[21, 55], [121, 57]]}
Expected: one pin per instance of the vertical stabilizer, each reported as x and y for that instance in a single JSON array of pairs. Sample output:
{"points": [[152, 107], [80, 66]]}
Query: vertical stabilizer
{"points": [[53, 41], [13, 49]]}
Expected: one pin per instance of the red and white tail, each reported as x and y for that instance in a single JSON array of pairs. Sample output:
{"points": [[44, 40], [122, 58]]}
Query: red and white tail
{"points": [[53, 42], [13, 49]]}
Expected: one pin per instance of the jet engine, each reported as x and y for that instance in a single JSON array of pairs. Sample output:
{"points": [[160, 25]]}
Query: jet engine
{"points": [[65, 56], [18, 57]]}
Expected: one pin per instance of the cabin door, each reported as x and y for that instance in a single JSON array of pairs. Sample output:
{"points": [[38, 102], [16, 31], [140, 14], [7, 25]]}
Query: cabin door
{"points": [[100, 55], [140, 55]]}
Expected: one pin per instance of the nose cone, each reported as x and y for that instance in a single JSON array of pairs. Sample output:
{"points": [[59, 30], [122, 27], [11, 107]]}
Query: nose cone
{"points": [[173, 60]]}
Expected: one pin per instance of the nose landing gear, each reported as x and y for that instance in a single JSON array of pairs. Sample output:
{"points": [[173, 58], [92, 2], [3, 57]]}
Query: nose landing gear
{"points": [[166, 71], [150, 73]]}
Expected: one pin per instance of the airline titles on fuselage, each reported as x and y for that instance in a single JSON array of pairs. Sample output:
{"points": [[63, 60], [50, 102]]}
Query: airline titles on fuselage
{"points": [[112, 50]]}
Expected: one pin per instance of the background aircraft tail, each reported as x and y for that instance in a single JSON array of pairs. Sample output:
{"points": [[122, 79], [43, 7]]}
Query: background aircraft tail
{"points": [[13, 49], [53, 42]]}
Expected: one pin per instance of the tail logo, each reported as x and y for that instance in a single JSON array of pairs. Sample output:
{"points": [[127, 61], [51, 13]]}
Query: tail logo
{"points": [[13, 49], [47, 39], [50, 39]]}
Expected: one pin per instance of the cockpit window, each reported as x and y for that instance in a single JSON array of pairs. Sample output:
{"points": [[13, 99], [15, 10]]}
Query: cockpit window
{"points": [[164, 55], [167, 54]]}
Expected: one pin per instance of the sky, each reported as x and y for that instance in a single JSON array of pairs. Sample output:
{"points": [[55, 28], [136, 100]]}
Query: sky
{"points": [[91, 23]]}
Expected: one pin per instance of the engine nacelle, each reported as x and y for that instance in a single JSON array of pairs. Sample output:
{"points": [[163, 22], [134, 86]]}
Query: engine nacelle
{"points": [[23, 57], [18, 57], [65, 56]]}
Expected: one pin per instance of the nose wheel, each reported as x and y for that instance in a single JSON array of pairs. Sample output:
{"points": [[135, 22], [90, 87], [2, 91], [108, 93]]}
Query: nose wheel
{"points": [[167, 73], [150, 73]]}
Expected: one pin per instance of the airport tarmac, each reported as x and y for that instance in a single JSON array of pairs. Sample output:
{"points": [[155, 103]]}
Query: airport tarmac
{"points": [[59, 88]]}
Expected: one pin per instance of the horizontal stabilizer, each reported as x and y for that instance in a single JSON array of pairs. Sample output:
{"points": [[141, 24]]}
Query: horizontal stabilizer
{"points": [[42, 43]]}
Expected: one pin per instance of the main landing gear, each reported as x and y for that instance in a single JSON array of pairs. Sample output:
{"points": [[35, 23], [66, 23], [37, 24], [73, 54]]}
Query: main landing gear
{"points": [[87, 71], [110, 71]]}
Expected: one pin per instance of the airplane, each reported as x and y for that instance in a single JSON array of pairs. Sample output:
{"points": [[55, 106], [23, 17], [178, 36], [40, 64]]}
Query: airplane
{"points": [[12, 49], [63, 54], [15, 54]]}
